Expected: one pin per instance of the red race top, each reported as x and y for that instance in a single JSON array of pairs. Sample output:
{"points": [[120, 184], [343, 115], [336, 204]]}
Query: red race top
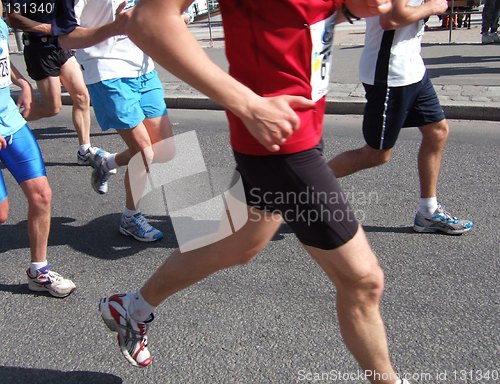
{"points": [[280, 47]]}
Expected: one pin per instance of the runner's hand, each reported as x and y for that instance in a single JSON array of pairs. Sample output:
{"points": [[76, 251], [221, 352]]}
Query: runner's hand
{"points": [[272, 120], [121, 19], [438, 6], [24, 101]]}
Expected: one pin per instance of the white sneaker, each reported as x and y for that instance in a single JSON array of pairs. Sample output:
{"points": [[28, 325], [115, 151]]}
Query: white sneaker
{"points": [[100, 176], [50, 281], [441, 221], [138, 227], [83, 159], [132, 335]]}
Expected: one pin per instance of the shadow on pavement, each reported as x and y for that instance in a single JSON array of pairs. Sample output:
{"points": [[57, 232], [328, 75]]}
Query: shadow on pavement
{"points": [[55, 132], [18, 289], [285, 229], [462, 59], [99, 238], [376, 228], [16, 375]]}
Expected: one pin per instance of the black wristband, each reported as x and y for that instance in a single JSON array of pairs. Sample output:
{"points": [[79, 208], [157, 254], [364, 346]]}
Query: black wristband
{"points": [[347, 14]]}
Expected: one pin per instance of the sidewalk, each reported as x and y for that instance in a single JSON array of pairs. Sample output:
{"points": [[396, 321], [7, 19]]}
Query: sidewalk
{"points": [[468, 101], [460, 101]]}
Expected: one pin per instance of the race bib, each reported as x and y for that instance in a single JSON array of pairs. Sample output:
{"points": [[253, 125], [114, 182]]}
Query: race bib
{"points": [[4, 64], [321, 56]]}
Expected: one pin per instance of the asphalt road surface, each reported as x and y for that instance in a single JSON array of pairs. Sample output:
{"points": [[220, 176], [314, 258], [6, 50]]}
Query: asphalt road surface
{"points": [[273, 320]]}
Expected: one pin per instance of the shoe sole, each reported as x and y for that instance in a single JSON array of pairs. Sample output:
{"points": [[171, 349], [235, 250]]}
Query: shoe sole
{"points": [[40, 288], [124, 232], [114, 327], [455, 232]]}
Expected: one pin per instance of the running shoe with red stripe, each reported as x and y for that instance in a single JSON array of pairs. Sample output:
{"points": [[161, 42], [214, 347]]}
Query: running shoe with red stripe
{"points": [[132, 338]]}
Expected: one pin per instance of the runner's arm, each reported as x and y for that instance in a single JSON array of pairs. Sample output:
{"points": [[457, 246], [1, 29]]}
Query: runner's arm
{"points": [[362, 9], [158, 30], [16, 20], [402, 13], [76, 37], [25, 99]]}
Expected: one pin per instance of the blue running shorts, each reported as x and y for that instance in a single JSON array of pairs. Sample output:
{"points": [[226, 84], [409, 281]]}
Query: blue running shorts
{"points": [[123, 103], [388, 109], [22, 158]]}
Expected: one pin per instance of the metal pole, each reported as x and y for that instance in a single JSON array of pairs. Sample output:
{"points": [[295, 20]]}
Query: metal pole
{"points": [[451, 19], [19, 39], [210, 24]]}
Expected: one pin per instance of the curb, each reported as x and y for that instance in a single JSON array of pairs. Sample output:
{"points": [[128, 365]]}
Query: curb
{"points": [[333, 107]]}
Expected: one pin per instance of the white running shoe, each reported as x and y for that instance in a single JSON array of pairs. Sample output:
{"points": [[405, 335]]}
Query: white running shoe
{"points": [[441, 221], [50, 281], [138, 227], [132, 338], [100, 176], [83, 159]]}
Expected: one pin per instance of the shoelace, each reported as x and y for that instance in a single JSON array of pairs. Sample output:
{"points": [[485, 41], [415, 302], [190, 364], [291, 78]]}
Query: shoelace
{"points": [[132, 333], [142, 223], [448, 216], [50, 275]]}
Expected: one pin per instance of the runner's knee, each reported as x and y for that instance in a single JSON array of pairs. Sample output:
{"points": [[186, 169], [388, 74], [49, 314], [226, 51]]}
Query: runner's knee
{"points": [[41, 197], [81, 100], [231, 256], [437, 132], [374, 286], [51, 110], [164, 151], [366, 289], [441, 130], [377, 156]]}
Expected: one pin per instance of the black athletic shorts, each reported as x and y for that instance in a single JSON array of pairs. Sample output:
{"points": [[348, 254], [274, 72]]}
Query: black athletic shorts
{"points": [[45, 61], [302, 188], [388, 109]]}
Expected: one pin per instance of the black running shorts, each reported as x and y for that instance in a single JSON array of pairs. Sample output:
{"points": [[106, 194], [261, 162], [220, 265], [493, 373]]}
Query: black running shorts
{"points": [[388, 109], [302, 188], [42, 61]]}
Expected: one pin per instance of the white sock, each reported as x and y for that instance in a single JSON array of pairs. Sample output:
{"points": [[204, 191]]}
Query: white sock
{"points": [[83, 149], [36, 265], [110, 163], [139, 309], [427, 206], [129, 212]]}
